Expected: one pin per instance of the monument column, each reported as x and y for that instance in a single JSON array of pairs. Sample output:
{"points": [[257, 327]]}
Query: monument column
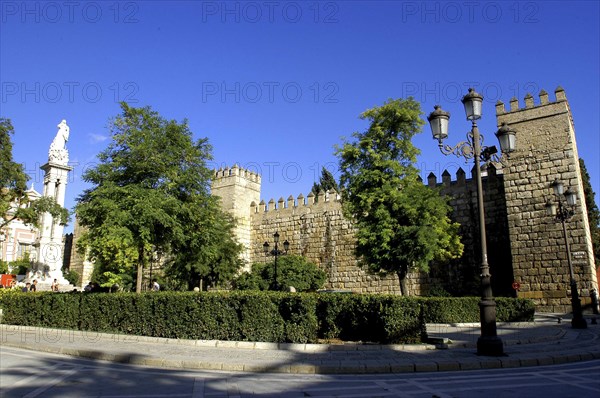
{"points": [[51, 248]]}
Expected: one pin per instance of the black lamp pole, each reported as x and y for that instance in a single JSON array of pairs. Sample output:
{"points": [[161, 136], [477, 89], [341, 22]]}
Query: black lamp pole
{"points": [[488, 343], [564, 214], [276, 253]]}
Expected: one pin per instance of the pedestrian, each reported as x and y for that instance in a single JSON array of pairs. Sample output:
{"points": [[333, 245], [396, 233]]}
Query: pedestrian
{"points": [[33, 287], [25, 289], [54, 286], [155, 286], [88, 287]]}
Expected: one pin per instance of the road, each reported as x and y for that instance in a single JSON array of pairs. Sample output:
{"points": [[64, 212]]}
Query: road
{"points": [[31, 374]]}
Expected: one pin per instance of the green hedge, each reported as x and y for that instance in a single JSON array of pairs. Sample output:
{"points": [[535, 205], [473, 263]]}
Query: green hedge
{"points": [[369, 318], [466, 309], [251, 316]]}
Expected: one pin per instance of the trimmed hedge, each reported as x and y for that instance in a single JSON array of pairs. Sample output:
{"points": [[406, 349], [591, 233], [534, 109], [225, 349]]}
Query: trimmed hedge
{"points": [[251, 316], [369, 318], [466, 309]]}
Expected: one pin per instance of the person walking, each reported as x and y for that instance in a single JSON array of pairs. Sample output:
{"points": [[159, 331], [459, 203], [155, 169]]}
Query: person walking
{"points": [[33, 287]]}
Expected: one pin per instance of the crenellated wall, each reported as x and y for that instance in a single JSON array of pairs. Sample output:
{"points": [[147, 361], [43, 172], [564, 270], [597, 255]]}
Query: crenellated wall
{"points": [[546, 150], [317, 230], [524, 244], [238, 188], [461, 276]]}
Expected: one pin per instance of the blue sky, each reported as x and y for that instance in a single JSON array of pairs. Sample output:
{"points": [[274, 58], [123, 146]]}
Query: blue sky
{"points": [[275, 85]]}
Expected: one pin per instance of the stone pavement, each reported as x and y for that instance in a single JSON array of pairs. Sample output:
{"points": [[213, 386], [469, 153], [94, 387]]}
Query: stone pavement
{"points": [[543, 342]]}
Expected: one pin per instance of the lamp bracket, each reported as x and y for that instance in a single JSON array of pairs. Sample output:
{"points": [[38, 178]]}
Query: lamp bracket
{"points": [[466, 149], [564, 214]]}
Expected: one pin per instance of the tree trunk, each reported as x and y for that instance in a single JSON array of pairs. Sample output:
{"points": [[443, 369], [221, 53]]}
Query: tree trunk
{"points": [[138, 281], [140, 271], [403, 285]]}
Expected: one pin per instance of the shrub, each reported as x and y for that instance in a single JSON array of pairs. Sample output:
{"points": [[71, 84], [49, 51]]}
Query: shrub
{"points": [[450, 309], [291, 271], [466, 309], [369, 318], [250, 316], [71, 276], [514, 310], [45, 309], [438, 291], [19, 267], [3, 267]]}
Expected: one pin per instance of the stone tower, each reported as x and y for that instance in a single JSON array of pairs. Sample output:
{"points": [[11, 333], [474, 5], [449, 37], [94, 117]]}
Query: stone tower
{"points": [[546, 150], [79, 262], [238, 188], [50, 248]]}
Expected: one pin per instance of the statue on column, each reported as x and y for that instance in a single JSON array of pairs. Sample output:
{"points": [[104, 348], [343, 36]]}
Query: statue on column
{"points": [[50, 245], [58, 152]]}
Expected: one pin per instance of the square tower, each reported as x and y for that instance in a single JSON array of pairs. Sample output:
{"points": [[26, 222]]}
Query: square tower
{"points": [[546, 150], [238, 189]]}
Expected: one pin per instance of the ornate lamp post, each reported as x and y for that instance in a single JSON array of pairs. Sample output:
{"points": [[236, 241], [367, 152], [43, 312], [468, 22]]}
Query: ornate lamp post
{"points": [[276, 252], [488, 343], [564, 214]]}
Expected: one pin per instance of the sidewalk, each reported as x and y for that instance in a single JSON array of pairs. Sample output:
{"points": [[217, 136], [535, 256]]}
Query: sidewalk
{"points": [[543, 342]]}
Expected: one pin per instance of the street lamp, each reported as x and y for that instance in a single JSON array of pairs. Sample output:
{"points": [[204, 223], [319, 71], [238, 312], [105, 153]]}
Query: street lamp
{"points": [[488, 343], [276, 252], [564, 214]]}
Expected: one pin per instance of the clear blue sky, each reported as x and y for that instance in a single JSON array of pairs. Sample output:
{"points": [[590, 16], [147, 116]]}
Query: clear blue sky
{"points": [[275, 85]]}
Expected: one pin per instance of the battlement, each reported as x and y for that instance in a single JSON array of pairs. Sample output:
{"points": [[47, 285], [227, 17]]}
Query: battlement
{"points": [[461, 179], [235, 171], [542, 127], [311, 200], [559, 94], [331, 196]]}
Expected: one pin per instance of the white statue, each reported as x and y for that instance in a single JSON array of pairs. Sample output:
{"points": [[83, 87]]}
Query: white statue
{"points": [[58, 152]]}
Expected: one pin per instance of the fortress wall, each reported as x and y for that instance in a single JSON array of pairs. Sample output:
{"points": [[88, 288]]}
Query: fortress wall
{"points": [[319, 232], [461, 276], [546, 150]]}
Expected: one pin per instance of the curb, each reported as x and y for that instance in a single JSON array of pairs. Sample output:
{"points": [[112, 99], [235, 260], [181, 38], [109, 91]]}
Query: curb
{"points": [[54, 335], [339, 359], [476, 363]]}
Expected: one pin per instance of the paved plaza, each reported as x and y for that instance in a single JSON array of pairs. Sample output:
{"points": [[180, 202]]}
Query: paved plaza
{"points": [[543, 342]]}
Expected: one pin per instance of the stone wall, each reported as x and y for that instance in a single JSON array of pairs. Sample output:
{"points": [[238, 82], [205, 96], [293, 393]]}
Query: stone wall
{"points": [[318, 231], [546, 150], [524, 244], [238, 188], [461, 276], [78, 262]]}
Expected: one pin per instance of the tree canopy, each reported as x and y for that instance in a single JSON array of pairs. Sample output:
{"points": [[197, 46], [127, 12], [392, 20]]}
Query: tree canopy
{"points": [[326, 183], [15, 203], [150, 195], [592, 211], [401, 223], [292, 270]]}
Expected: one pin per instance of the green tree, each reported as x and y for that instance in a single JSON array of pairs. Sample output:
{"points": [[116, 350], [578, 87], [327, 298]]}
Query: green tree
{"points": [[401, 223], [292, 270], [71, 276], [3, 267], [208, 252], [14, 201], [592, 211], [326, 182], [150, 194]]}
